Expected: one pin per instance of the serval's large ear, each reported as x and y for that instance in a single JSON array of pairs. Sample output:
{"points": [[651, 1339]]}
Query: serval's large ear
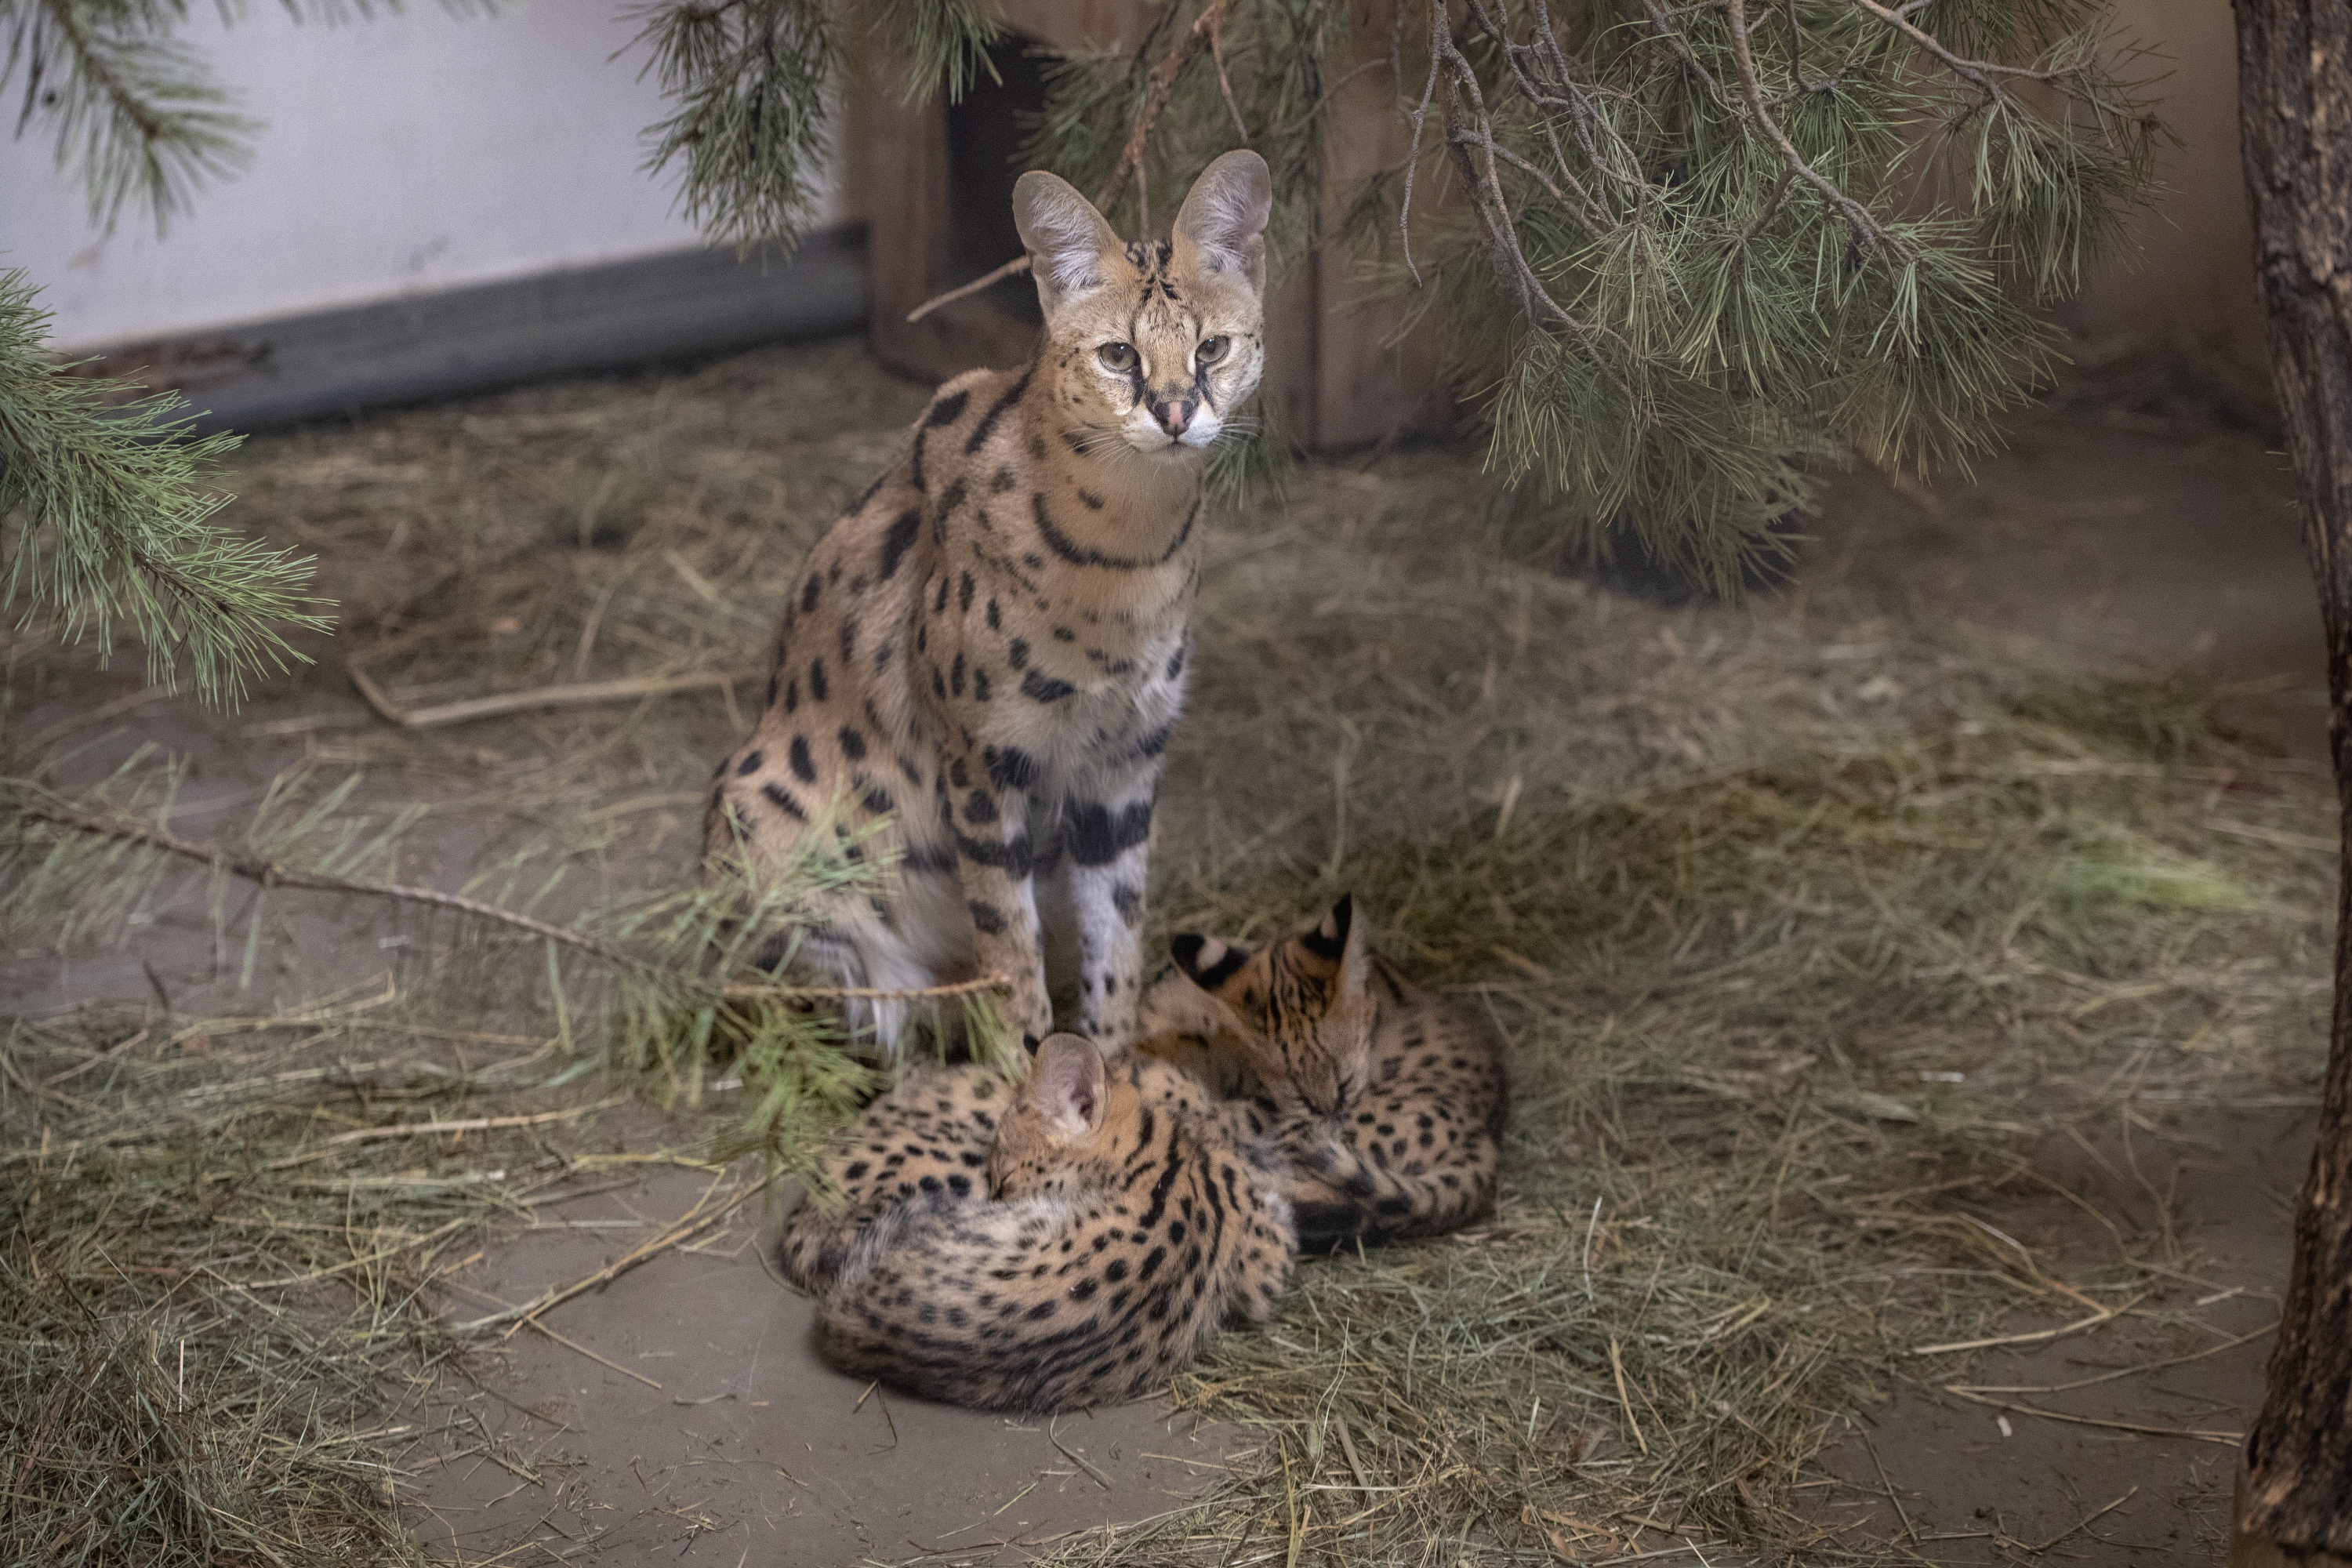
{"points": [[1068, 241], [1207, 963], [1339, 939], [1068, 1084], [1222, 222]]}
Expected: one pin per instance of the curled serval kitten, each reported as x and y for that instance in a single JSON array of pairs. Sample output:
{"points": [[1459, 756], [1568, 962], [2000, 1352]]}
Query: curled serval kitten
{"points": [[1122, 1230], [1385, 1104], [931, 1136], [990, 646]]}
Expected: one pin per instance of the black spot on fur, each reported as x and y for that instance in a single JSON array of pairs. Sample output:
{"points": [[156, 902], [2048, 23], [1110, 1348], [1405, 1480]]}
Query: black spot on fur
{"points": [[804, 766], [1015, 859], [816, 680], [896, 541], [1017, 654], [1010, 767], [749, 764], [947, 410], [1040, 688], [987, 425], [988, 918], [778, 797], [853, 745], [1098, 836]]}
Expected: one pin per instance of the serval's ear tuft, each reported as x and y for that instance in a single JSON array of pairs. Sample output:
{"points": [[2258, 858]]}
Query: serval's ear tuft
{"points": [[1206, 962]]}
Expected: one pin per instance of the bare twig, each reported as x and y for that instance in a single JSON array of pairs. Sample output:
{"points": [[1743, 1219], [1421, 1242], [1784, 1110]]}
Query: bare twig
{"points": [[701, 1217], [472, 1124], [1225, 83], [2229, 1440], [583, 694], [746, 990], [1013, 268], [1978, 73], [2104, 1315], [270, 874]]}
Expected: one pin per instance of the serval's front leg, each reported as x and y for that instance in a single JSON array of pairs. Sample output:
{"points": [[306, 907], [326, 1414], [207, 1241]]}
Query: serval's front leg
{"points": [[995, 861], [1107, 851]]}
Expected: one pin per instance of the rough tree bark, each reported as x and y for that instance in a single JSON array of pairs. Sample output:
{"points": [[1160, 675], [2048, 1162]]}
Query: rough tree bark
{"points": [[2294, 112]]}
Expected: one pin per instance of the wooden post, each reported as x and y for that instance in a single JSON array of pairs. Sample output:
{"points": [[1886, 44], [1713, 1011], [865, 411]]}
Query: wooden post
{"points": [[2294, 111]]}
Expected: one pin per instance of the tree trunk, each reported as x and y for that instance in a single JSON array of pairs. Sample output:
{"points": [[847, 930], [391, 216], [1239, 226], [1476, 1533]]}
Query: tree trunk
{"points": [[2294, 112]]}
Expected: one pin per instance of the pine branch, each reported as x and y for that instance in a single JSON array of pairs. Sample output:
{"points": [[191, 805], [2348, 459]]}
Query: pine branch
{"points": [[55, 813], [131, 108], [748, 78], [37, 807], [1867, 230], [107, 513]]}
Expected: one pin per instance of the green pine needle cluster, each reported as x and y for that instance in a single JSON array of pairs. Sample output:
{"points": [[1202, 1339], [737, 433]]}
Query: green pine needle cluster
{"points": [[107, 521], [749, 81]]}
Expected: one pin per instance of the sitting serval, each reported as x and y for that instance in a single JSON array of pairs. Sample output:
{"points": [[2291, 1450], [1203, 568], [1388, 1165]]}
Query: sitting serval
{"points": [[990, 646], [1385, 1104], [1121, 1229]]}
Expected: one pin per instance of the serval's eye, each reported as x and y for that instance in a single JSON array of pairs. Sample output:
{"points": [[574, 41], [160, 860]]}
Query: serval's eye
{"points": [[1212, 350], [1117, 356]]}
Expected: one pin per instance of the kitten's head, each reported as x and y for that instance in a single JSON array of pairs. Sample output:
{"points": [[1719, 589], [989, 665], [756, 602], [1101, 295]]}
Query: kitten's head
{"points": [[1304, 1005], [1150, 346], [1064, 1125]]}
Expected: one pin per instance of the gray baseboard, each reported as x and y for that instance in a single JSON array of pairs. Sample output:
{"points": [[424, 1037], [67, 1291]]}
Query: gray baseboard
{"points": [[330, 363]]}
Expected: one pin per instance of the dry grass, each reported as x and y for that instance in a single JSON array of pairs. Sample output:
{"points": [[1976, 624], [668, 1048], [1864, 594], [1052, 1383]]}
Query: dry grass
{"points": [[1745, 887], [1781, 1032]]}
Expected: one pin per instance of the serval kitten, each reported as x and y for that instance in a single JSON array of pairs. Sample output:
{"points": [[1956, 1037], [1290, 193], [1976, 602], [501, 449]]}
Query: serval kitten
{"points": [[930, 1137], [990, 648], [1385, 1104], [1122, 1232]]}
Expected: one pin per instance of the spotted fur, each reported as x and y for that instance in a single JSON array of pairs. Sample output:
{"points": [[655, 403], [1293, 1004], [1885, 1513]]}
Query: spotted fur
{"points": [[990, 650], [1384, 1104], [931, 1136], [1124, 1228]]}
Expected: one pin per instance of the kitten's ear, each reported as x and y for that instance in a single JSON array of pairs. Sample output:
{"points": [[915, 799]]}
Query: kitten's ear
{"points": [[1066, 237], [1223, 221], [1340, 939], [1206, 962], [1068, 1084]]}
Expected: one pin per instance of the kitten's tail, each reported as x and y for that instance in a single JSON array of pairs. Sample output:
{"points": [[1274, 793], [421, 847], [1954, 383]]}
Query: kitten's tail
{"points": [[1339, 1196]]}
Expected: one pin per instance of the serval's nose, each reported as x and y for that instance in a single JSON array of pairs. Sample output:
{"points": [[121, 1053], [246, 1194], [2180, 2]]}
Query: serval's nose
{"points": [[1175, 415]]}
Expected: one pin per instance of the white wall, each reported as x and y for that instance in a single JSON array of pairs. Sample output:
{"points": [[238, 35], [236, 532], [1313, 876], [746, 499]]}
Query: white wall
{"points": [[410, 153]]}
